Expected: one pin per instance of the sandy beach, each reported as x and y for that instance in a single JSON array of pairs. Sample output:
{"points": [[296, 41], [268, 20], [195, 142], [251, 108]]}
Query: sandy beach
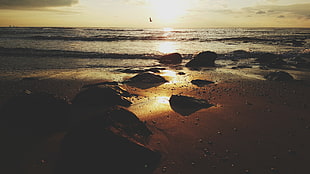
{"points": [[255, 126]]}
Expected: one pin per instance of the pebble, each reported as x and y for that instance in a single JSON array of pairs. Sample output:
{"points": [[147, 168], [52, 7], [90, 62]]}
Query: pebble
{"points": [[275, 157], [273, 170], [164, 169], [26, 91], [291, 151], [42, 162], [193, 163], [206, 151]]}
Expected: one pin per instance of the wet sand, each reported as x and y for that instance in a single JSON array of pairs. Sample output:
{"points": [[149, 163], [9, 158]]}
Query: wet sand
{"points": [[255, 126]]}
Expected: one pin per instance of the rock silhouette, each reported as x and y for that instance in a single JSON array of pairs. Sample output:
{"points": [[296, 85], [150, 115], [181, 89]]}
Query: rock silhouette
{"points": [[173, 58], [35, 114], [100, 96], [203, 59], [146, 80], [279, 76], [201, 83], [26, 120], [185, 105], [102, 145]]}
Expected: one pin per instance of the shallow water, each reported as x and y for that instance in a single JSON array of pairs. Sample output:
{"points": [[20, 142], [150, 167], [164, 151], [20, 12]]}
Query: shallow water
{"points": [[98, 52]]}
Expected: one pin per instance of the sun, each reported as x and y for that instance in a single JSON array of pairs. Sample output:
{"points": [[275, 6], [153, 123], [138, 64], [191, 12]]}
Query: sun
{"points": [[168, 11]]}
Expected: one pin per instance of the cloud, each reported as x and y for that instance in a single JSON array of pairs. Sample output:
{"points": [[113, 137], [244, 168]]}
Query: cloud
{"points": [[260, 12], [298, 11], [28, 4], [135, 2], [272, 1]]}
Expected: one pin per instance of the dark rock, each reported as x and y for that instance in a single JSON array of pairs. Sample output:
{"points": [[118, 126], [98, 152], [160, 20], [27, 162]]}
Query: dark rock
{"points": [[201, 83], [95, 147], [30, 78], [241, 67], [134, 71], [241, 54], [203, 59], [267, 58], [129, 123], [271, 60], [181, 73], [100, 96], [185, 105], [173, 58], [131, 71], [101, 83], [146, 80], [155, 70], [300, 62], [279, 76], [35, 115]]}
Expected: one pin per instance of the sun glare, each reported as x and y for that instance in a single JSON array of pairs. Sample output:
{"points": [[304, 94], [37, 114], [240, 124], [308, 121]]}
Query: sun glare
{"points": [[168, 11], [167, 47]]}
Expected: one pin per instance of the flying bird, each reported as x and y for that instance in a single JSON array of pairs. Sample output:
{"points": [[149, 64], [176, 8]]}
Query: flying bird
{"points": [[150, 19]]}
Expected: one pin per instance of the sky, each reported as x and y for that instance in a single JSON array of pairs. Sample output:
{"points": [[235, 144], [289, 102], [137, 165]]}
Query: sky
{"points": [[164, 13]]}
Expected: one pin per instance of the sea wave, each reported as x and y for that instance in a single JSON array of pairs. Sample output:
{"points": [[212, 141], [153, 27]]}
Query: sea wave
{"points": [[290, 41], [107, 38], [29, 52]]}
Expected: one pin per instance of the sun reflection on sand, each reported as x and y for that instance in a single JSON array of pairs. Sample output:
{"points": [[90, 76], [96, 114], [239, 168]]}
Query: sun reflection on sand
{"points": [[151, 106], [163, 99]]}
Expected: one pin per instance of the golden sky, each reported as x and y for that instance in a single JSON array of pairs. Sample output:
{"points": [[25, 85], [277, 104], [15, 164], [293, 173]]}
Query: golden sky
{"points": [[164, 13]]}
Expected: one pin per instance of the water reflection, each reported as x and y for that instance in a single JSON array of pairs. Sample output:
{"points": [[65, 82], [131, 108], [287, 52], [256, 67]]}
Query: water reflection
{"points": [[167, 47]]}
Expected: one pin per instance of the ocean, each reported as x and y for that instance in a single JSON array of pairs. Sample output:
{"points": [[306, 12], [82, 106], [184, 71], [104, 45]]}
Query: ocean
{"points": [[33, 49]]}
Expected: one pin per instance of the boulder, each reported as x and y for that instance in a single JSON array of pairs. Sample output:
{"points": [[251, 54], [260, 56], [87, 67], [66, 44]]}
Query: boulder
{"points": [[146, 80], [271, 60], [203, 59], [240, 54], [35, 114], [128, 123], [173, 58], [100, 96], [185, 105], [100, 145], [201, 83], [279, 76]]}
